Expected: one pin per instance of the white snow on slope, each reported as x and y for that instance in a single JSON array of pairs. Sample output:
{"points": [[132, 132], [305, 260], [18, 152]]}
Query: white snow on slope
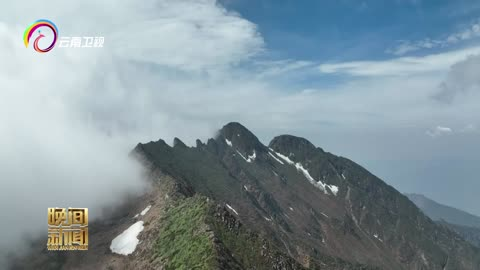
{"points": [[127, 241], [231, 208], [274, 157], [145, 210], [376, 236], [289, 161], [252, 157], [319, 184], [304, 171], [333, 189], [343, 176], [241, 155], [228, 142]]}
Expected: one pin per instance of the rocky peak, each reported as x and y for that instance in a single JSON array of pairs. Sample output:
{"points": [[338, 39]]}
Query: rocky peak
{"points": [[296, 147], [178, 143], [241, 138]]}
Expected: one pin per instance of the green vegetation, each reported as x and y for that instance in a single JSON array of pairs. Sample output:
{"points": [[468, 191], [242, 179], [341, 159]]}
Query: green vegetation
{"points": [[245, 246], [183, 241]]}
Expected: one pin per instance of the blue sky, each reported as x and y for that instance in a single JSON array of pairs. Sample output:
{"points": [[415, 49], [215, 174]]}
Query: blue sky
{"points": [[370, 48], [351, 30]]}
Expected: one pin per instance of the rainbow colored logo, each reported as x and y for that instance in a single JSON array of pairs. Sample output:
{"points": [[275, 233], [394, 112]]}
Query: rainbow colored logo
{"points": [[34, 27]]}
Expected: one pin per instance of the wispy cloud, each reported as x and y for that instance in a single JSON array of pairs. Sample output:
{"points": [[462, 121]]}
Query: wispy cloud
{"points": [[405, 46], [402, 66], [279, 67], [439, 131]]}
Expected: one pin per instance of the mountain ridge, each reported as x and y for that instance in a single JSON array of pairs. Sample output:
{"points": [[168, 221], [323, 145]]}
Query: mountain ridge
{"points": [[465, 224], [295, 163], [288, 205], [438, 211]]}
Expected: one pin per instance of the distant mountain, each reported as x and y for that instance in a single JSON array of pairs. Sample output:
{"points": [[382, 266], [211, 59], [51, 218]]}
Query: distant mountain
{"points": [[437, 211], [471, 234], [465, 224], [234, 203]]}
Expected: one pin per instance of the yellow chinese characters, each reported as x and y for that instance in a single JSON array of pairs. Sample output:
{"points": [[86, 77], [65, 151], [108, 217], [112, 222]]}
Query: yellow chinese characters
{"points": [[67, 229]]}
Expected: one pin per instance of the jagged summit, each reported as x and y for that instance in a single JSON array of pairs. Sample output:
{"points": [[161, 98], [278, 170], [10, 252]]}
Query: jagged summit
{"points": [[244, 140], [178, 143]]}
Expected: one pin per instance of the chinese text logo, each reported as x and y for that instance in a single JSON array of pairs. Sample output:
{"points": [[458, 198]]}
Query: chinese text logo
{"points": [[27, 35], [81, 42], [67, 229]]}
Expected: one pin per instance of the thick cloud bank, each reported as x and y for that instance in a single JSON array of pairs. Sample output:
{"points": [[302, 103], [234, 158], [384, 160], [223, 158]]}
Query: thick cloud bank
{"points": [[70, 117]]}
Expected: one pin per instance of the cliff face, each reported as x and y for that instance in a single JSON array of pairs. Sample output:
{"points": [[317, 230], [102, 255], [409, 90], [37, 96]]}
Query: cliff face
{"points": [[234, 203]]}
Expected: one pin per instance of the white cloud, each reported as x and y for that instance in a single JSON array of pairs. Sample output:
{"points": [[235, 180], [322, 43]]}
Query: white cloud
{"points": [[405, 46], [402, 66], [462, 81], [190, 35], [439, 131]]}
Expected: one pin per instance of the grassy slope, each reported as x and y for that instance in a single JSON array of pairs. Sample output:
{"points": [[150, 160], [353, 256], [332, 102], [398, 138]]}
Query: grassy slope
{"points": [[183, 241]]}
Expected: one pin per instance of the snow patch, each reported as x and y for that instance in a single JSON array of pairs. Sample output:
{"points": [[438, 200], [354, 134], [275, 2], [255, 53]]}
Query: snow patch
{"points": [[424, 259], [145, 210], [252, 157], [319, 184], [245, 187], [229, 143], [231, 208], [274, 157], [333, 189], [291, 209], [305, 172], [289, 161], [135, 216], [127, 241], [378, 238], [343, 176], [268, 219], [323, 214]]}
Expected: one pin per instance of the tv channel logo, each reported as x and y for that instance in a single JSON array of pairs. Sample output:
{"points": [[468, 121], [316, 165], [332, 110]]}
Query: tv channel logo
{"points": [[39, 30]]}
